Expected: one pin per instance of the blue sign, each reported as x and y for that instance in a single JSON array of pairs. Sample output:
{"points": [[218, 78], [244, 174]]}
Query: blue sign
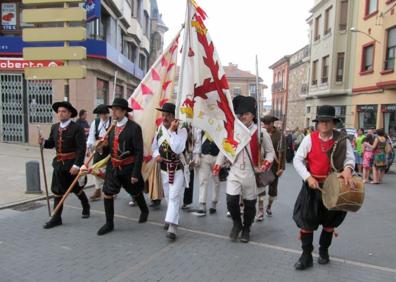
{"points": [[93, 8]]}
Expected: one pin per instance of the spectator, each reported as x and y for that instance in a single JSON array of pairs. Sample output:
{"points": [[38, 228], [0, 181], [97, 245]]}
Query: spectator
{"points": [[82, 121], [379, 157], [367, 150], [359, 152]]}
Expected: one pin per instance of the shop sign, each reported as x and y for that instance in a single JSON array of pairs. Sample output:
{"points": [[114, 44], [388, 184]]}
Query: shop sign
{"points": [[8, 16]]}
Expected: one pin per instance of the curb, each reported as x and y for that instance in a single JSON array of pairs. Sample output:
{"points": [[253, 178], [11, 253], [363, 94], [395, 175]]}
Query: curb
{"points": [[15, 204]]}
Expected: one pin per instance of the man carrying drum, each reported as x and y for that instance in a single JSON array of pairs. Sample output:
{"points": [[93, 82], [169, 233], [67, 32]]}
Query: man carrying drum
{"points": [[312, 163]]}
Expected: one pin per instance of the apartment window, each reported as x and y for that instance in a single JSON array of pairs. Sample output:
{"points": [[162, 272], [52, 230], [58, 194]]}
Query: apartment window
{"points": [[102, 92], [252, 89], [236, 91], [368, 58], [327, 28], [390, 49], [146, 23], [283, 79], [325, 69], [371, 7], [139, 11], [314, 72], [308, 111], [340, 67], [343, 15], [142, 62], [119, 91], [134, 7], [317, 27]]}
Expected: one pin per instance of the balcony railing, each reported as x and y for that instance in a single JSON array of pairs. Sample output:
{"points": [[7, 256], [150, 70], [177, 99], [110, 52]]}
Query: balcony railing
{"points": [[278, 87]]}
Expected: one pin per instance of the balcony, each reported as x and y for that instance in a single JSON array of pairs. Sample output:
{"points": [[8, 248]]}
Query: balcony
{"points": [[278, 87]]}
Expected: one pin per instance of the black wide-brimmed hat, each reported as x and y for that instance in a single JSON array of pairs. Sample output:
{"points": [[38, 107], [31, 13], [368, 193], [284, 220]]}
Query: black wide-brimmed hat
{"points": [[66, 105], [326, 112], [168, 108], [245, 104], [101, 109], [269, 119], [121, 103]]}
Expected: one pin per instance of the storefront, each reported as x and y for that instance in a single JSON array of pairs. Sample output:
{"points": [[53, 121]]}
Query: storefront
{"points": [[367, 116], [389, 116]]}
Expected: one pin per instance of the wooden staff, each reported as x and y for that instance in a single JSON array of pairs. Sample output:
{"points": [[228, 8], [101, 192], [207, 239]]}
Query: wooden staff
{"points": [[68, 191], [44, 173]]}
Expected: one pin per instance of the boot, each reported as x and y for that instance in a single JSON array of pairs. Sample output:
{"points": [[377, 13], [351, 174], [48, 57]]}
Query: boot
{"points": [[109, 210], [86, 208], [324, 244], [306, 260], [233, 208], [248, 218], [57, 218], [97, 195], [144, 211]]}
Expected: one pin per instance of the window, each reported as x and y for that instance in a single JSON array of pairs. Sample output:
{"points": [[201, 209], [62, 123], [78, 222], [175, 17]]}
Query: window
{"points": [[314, 72], [325, 69], [390, 49], [343, 15], [340, 67], [252, 89], [317, 27], [142, 62], [236, 91], [283, 79], [134, 8], [368, 58], [327, 28], [119, 91], [102, 92], [308, 111], [146, 23], [371, 7]]}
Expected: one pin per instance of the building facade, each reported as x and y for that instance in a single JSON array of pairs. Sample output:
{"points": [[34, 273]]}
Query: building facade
{"points": [[298, 86], [332, 49], [122, 41], [280, 87], [374, 87]]}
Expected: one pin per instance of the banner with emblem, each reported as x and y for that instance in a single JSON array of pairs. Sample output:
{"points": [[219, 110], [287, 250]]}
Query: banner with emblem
{"points": [[204, 97], [155, 89]]}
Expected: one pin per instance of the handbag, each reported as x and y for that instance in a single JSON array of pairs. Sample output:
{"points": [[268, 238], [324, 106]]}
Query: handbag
{"points": [[264, 178]]}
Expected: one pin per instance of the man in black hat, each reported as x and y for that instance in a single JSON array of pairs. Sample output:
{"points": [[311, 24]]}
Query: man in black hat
{"points": [[168, 145], [97, 130], [241, 179], [125, 144], [277, 168], [312, 162], [68, 139]]}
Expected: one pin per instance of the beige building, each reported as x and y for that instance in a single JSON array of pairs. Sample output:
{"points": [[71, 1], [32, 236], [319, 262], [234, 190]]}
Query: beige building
{"points": [[331, 60], [125, 36], [374, 80], [297, 88]]}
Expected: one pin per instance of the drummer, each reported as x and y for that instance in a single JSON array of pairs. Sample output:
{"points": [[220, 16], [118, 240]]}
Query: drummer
{"points": [[312, 163]]}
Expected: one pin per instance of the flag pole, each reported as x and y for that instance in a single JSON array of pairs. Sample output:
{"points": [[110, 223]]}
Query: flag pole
{"points": [[114, 85], [185, 49], [258, 94]]}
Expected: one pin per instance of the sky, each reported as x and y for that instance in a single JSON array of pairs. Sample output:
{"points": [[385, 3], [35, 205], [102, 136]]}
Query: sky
{"points": [[242, 29]]}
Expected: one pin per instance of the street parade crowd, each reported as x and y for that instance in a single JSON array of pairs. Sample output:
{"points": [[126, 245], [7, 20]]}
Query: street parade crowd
{"points": [[181, 153]]}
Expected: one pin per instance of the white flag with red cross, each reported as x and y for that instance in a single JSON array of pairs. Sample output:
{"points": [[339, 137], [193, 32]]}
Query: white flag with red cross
{"points": [[203, 95], [155, 89]]}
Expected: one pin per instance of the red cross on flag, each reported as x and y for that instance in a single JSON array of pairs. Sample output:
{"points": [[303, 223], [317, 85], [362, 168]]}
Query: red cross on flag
{"points": [[155, 89], [203, 95]]}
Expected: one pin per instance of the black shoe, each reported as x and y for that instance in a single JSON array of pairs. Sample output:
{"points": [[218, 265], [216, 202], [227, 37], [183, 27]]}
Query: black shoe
{"points": [[171, 236], [107, 228], [86, 212], [53, 223], [199, 213], [304, 262], [245, 236], [143, 217], [166, 226], [323, 256], [236, 229], [155, 203], [212, 211], [185, 207]]}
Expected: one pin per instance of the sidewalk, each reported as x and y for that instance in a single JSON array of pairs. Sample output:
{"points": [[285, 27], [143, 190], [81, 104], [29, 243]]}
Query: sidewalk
{"points": [[13, 158]]}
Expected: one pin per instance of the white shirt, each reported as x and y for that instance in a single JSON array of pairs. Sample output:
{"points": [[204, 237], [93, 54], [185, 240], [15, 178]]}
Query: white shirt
{"points": [[305, 147], [122, 122], [65, 124], [177, 141], [102, 131]]}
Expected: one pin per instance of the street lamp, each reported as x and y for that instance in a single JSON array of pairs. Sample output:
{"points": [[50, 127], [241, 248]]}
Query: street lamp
{"points": [[354, 29]]}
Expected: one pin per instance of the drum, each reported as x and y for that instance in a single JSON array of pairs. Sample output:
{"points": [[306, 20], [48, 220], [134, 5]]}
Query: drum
{"points": [[338, 196]]}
